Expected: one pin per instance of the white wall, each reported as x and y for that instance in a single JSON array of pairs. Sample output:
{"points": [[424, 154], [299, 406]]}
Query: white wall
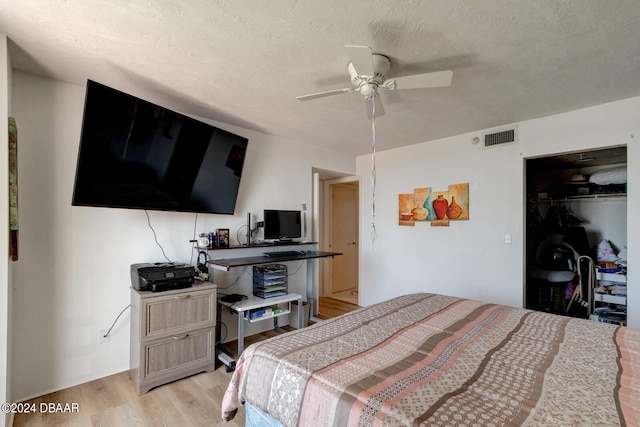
{"points": [[73, 277], [6, 264], [469, 258]]}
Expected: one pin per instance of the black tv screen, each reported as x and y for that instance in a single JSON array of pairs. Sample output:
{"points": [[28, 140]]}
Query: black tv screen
{"points": [[138, 155], [282, 225]]}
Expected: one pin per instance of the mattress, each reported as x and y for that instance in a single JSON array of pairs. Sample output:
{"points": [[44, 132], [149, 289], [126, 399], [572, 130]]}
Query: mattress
{"points": [[427, 359]]}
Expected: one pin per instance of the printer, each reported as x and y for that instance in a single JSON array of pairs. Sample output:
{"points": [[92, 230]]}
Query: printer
{"points": [[161, 276]]}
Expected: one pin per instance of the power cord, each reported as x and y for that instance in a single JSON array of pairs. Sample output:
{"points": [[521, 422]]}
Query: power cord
{"points": [[235, 282], [297, 269], [226, 331], [155, 236], [238, 234], [251, 232], [193, 239], [106, 334]]}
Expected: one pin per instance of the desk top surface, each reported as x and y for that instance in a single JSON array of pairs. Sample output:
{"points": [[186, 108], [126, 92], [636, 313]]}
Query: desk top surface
{"points": [[227, 263]]}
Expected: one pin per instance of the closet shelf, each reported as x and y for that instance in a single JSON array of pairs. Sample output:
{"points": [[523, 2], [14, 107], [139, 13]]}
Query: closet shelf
{"points": [[578, 197]]}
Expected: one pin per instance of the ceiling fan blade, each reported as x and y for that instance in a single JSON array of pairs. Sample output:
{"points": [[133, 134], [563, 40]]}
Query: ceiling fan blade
{"points": [[379, 107], [418, 81], [323, 94], [362, 59]]}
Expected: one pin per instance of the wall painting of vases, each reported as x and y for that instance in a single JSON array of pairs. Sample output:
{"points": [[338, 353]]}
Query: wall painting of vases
{"points": [[436, 207]]}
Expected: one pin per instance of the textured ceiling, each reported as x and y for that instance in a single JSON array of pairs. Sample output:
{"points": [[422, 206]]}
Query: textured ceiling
{"points": [[243, 62]]}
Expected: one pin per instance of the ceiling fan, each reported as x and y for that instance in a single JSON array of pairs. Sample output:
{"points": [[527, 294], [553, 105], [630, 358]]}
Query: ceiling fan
{"points": [[368, 72]]}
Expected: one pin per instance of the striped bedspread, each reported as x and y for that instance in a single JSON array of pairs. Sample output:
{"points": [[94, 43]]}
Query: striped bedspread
{"points": [[434, 360]]}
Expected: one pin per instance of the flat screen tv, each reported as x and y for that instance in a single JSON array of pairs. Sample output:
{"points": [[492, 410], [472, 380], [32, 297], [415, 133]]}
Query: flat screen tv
{"points": [[282, 225], [138, 155]]}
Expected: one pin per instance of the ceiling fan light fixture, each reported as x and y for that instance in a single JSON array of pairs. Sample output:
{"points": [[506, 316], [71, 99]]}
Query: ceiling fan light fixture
{"points": [[368, 90]]}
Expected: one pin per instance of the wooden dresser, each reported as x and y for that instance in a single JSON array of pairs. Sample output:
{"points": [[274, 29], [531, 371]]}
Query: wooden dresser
{"points": [[172, 335]]}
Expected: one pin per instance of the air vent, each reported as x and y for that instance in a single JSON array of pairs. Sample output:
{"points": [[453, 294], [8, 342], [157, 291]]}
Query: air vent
{"points": [[506, 136]]}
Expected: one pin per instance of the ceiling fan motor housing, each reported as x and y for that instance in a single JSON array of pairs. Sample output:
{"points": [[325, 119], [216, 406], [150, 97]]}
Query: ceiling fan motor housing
{"points": [[368, 85]]}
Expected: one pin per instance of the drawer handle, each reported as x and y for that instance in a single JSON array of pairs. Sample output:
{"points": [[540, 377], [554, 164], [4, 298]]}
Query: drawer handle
{"points": [[182, 296], [181, 337]]}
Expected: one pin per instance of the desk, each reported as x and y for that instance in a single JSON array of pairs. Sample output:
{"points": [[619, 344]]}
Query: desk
{"points": [[256, 302], [227, 264]]}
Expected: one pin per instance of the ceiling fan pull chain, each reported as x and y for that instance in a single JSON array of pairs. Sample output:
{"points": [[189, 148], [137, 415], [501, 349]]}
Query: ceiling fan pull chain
{"points": [[374, 233]]}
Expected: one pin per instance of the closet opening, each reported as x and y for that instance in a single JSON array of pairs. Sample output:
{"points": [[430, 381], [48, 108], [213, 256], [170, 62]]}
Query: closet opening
{"points": [[576, 234]]}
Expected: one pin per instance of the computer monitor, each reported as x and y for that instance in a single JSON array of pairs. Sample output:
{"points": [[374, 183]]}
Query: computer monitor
{"points": [[282, 224]]}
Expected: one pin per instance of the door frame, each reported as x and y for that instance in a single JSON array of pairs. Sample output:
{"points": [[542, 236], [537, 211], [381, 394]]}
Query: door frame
{"points": [[352, 186], [326, 284], [527, 162], [321, 226]]}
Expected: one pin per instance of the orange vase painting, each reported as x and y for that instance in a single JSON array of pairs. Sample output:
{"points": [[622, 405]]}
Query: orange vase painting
{"points": [[436, 207]]}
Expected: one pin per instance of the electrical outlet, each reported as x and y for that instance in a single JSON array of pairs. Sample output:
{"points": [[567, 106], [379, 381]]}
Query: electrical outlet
{"points": [[103, 338]]}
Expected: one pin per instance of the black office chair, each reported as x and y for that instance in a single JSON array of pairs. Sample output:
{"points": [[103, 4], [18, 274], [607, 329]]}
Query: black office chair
{"points": [[556, 266]]}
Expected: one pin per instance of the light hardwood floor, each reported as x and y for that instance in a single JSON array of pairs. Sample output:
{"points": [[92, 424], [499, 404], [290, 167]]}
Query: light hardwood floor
{"points": [[112, 401], [331, 307]]}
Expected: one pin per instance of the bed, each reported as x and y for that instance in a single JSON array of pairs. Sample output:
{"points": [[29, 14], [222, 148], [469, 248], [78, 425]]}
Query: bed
{"points": [[427, 359]]}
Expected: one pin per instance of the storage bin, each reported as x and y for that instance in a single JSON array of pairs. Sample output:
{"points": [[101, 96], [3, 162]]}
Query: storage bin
{"points": [[293, 316]]}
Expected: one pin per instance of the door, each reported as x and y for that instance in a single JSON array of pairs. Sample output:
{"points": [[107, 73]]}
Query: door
{"points": [[344, 237]]}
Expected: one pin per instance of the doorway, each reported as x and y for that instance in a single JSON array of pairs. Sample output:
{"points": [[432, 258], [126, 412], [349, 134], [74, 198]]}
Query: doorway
{"points": [[336, 201], [344, 239], [570, 211]]}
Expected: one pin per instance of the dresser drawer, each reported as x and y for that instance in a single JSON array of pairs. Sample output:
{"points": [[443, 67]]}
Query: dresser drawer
{"points": [[172, 315], [176, 353], [172, 335]]}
